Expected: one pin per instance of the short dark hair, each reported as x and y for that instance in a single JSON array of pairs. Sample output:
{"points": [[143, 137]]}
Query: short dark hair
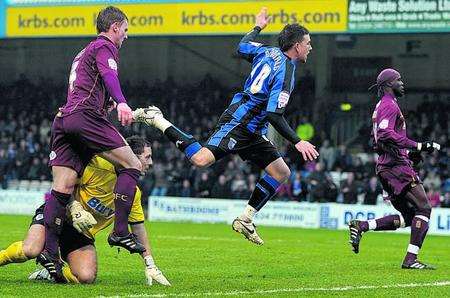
{"points": [[137, 144], [108, 16], [291, 34]]}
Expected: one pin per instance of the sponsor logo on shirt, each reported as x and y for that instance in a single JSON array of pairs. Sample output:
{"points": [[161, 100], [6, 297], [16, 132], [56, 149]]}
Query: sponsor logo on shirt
{"points": [[283, 99], [99, 208], [112, 64], [384, 124]]}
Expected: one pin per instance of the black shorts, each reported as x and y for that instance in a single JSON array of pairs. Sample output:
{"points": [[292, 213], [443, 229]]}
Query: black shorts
{"points": [[70, 239], [232, 137]]}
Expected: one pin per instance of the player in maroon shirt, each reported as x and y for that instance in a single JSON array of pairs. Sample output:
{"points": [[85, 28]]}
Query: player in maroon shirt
{"points": [[394, 169], [81, 129]]}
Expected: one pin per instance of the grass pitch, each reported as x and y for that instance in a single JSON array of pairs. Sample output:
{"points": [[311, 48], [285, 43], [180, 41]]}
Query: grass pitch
{"points": [[212, 260]]}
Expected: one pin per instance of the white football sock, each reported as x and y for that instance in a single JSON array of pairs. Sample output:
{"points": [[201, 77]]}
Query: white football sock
{"points": [[248, 214], [149, 262]]}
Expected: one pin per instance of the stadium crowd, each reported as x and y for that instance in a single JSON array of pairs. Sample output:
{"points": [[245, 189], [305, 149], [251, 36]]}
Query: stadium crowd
{"points": [[27, 109]]}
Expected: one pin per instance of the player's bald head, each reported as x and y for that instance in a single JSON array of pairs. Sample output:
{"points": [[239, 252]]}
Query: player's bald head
{"points": [[108, 16]]}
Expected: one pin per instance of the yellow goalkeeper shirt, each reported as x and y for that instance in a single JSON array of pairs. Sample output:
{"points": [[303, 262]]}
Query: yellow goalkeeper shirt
{"points": [[95, 193]]}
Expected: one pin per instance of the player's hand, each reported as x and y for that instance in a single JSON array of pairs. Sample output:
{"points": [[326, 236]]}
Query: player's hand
{"points": [[82, 220], [415, 157], [307, 150], [262, 19], [124, 114], [428, 146], [111, 105], [154, 274]]}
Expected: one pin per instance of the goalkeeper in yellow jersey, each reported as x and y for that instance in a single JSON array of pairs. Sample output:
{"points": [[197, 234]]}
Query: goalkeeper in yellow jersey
{"points": [[91, 211]]}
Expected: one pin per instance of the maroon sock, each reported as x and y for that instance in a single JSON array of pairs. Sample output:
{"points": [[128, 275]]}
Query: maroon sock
{"points": [[123, 198], [419, 229], [388, 223], [54, 216]]}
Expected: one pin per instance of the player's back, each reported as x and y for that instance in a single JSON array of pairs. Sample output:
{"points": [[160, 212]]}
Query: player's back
{"points": [[86, 89], [272, 74]]}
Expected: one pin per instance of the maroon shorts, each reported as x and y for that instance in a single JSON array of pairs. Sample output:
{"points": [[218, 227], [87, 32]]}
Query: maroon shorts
{"points": [[77, 137], [398, 179]]}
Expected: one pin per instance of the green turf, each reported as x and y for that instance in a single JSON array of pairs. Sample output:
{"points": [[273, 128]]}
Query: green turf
{"points": [[206, 258]]}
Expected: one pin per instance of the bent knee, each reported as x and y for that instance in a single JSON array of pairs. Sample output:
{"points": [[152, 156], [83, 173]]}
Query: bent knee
{"points": [[31, 250], [86, 276], [201, 161]]}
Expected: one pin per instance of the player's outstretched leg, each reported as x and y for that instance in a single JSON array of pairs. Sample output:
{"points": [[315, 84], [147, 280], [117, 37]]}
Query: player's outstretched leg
{"points": [[358, 227], [153, 116], [419, 228], [13, 254]]}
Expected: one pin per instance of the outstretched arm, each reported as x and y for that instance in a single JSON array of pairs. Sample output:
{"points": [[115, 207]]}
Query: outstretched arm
{"points": [[151, 271], [247, 48]]}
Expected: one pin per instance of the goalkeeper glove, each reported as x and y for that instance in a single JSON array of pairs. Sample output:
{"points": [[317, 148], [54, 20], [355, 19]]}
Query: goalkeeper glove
{"points": [[415, 157], [82, 220], [153, 273], [147, 115], [428, 146]]}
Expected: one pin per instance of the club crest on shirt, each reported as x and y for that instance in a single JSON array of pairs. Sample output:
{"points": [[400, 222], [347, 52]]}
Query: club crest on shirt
{"points": [[52, 155], [112, 64], [231, 143], [283, 99]]}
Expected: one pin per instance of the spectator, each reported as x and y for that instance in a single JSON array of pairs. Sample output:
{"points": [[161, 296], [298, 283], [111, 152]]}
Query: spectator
{"points": [[221, 188], [186, 190], [343, 159], [349, 189], [322, 189], [161, 187], [239, 187], [299, 188], [204, 186], [445, 203], [372, 191], [327, 155], [434, 196]]}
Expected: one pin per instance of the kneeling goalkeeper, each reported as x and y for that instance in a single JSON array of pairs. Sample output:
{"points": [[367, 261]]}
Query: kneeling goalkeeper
{"points": [[91, 211]]}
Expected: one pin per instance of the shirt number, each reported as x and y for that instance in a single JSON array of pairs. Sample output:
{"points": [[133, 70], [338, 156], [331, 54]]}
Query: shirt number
{"points": [[258, 81]]}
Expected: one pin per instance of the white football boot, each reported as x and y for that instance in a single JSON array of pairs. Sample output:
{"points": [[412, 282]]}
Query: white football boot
{"points": [[41, 274], [248, 229]]}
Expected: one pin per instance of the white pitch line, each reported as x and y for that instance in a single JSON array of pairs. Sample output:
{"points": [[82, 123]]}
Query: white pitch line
{"points": [[202, 238], [293, 290]]}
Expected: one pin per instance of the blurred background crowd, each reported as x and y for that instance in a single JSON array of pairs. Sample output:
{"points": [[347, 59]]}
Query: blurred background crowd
{"points": [[340, 175]]}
